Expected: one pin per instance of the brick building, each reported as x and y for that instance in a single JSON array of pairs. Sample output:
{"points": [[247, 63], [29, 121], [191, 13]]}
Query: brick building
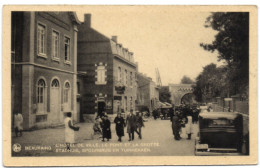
{"points": [[147, 92], [44, 71], [110, 81]]}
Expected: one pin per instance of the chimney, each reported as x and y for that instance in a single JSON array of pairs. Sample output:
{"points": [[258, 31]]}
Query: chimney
{"points": [[87, 20], [114, 38]]}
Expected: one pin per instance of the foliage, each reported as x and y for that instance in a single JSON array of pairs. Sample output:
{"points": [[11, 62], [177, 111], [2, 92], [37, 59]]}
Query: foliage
{"points": [[232, 45], [210, 83], [186, 80], [164, 94]]}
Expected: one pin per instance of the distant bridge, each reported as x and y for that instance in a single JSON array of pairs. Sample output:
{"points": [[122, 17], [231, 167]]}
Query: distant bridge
{"points": [[178, 91]]}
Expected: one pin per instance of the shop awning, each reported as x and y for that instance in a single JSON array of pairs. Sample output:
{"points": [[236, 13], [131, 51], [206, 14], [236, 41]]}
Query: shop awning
{"points": [[165, 105]]}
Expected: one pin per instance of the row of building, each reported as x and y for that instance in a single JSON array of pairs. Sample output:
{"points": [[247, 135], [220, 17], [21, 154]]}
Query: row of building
{"points": [[61, 65]]}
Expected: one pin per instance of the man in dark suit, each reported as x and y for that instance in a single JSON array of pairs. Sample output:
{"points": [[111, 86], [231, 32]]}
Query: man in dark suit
{"points": [[176, 126], [131, 125]]}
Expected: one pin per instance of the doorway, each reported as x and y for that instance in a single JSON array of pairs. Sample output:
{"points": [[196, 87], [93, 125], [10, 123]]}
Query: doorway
{"points": [[55, 102], [101, 107]]}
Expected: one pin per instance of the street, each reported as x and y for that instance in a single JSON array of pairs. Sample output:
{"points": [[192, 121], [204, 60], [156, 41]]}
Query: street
{"points": [[157, 141]]}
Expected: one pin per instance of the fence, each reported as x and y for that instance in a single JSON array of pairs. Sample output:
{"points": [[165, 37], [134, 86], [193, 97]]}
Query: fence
{"points": [[238, 106]]}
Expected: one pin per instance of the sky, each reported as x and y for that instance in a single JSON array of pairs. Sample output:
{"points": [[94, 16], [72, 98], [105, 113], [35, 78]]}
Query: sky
{"points": [[160, 37]]}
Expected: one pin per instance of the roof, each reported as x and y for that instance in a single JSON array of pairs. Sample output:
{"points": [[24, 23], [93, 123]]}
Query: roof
{"points": [[74, 17], [216, 115]]}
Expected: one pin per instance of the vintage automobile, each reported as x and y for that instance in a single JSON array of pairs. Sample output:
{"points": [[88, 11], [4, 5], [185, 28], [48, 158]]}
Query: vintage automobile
{"points": [[220, 133]]}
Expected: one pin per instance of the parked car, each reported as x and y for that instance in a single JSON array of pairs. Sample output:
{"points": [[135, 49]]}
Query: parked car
{"points": [[220, 133]]}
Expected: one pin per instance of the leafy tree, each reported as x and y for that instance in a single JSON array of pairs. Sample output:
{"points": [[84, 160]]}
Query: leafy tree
{"points": [[186, 80], [164, 94], [211, 83], [232, 45]]}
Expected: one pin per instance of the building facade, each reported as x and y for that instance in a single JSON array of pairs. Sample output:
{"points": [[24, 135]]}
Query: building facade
{"points": [[110, 81], [147, 92], [44, 71]]}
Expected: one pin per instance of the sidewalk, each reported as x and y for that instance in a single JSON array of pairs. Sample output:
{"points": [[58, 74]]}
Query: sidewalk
{"points": [[51, 136]]}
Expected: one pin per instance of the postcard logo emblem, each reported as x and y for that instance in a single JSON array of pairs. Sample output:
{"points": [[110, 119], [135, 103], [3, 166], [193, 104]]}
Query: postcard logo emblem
{"points": [[17, 147]]}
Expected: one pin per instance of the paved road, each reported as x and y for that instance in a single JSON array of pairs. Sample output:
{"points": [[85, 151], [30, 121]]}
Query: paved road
{"points": [[157, 141]]}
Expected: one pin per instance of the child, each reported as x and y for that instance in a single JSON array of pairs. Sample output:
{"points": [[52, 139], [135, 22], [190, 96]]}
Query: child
{"points": [[96, 128]]}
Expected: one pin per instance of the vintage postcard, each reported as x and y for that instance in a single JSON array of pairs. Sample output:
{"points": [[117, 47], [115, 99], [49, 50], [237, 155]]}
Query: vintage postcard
{"points": [[129, 85]]}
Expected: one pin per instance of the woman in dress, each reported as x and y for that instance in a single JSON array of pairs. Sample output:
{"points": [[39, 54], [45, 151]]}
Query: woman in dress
{"points": [[188, 125], [18, 123], [120, 124], [69, 131]]}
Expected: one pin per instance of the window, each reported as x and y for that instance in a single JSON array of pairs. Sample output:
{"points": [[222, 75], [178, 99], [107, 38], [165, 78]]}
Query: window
{"points": [[125, 53], [41, 96], [67, 49], [126, 103], [55, 44], [125, 77], [131, 58], [131, 103], [41, 33], [55, 83], [119, 75], [101, 75], [67, 97], [78, 88], [66, 92], [131, 79]]}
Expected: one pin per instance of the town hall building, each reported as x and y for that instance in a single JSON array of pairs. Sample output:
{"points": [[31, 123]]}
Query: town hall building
{"points": [[44, 67]]}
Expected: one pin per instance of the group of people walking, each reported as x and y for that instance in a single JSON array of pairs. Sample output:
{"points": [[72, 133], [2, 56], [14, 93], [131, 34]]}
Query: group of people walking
{"points": [[134, 124], [183, 117]]}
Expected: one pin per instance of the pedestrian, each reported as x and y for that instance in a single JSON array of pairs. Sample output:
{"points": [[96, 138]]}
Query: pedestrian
{"points": [[106, 128], [120, 124], [154, 114], [139, 124], [69, 131], [171, 113], [131, 125], [18, 123], [176, 126], [103, 114], [188, 125], [195, 116], [96, 126]]}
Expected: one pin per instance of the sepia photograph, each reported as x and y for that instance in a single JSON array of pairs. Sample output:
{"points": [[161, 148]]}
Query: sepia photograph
{"points": [[131, 82]]}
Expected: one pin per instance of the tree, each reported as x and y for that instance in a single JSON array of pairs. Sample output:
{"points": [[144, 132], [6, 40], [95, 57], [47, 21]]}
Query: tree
{"points": [[164, 94], [210, 83], [232, 45], [186, 80]]}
